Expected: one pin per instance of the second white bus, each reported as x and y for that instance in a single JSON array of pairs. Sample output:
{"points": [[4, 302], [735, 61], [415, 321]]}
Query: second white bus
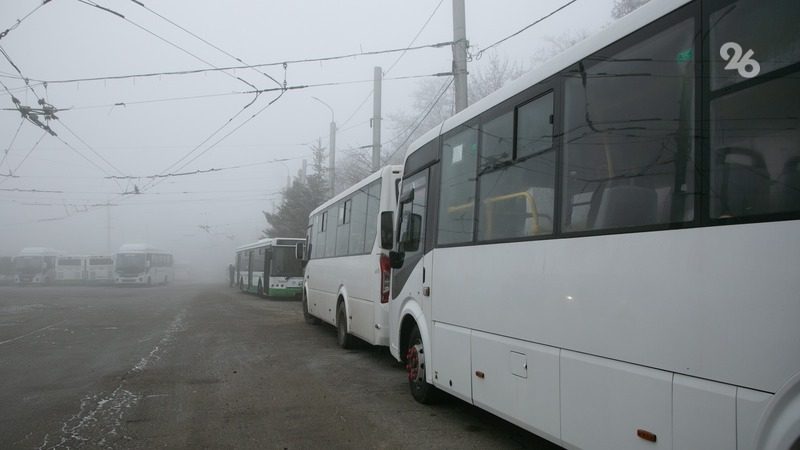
{"points": [[347, 274]]}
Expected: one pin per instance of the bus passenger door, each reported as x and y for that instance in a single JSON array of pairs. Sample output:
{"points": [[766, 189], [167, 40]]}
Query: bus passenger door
{"points": [[267, 270], [410, 277], [250, 269]]}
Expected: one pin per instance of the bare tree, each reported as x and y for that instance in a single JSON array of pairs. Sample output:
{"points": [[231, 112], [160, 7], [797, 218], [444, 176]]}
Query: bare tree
{"points": [[433, 103], [558, 44], [624, 7]]}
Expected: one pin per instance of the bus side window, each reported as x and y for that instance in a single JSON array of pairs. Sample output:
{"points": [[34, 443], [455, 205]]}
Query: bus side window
{"points": [[630, 136]]}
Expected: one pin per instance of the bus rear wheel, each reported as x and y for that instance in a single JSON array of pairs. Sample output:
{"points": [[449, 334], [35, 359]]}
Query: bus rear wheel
{"points": [[343, 338], [421, 390]]}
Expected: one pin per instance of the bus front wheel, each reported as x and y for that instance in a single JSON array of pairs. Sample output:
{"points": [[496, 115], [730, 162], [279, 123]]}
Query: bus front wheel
{"points": [[343, 338], [311, 320], [421, 390]]}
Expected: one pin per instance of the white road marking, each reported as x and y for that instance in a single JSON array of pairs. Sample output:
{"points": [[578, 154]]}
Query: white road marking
{"points": [[28, 334]]}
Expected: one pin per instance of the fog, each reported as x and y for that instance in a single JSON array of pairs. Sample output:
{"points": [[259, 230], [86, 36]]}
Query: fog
{"points": [[55, 191]]}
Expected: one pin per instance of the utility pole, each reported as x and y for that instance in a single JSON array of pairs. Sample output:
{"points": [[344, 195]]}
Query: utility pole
{"points": [[376, 120], [108, 227], [332, 157], [460, 54], [332, 150]]}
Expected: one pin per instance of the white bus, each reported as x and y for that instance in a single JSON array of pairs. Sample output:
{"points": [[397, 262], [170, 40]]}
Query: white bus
{"points": [[270, 268], [72, 269], [606, 251], [35, 265], [100, 269], [347, 273], [142, 264]]}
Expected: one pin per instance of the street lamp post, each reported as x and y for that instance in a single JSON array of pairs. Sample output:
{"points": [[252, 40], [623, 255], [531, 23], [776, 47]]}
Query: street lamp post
{"points": [[332, 150]]}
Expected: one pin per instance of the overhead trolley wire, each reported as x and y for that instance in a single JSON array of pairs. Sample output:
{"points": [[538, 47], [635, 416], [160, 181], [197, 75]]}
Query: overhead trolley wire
{"points": [[13, 139], [23, 77], [422, 119], [203, 40], [403, 53], [90, 148], [19, 21], [228, 68], [91, 3], [25, 158], [552, 13]]}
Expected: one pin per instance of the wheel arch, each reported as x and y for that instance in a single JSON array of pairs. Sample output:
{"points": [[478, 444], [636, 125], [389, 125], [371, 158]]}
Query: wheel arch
{"points": [[343, 299], [779, 428], [411, 314]]}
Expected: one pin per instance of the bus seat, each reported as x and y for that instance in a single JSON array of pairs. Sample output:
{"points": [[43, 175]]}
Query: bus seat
{"points": [[742, 182], [788, 186], [623, 206]]}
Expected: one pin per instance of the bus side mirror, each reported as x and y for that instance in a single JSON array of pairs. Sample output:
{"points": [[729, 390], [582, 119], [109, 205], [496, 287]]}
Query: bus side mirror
{"points": [[300, 250], [387, 230], [396, 259]]}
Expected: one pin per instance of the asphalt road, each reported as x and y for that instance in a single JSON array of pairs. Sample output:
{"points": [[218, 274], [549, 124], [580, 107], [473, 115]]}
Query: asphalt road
{"points": [[207, 367]]}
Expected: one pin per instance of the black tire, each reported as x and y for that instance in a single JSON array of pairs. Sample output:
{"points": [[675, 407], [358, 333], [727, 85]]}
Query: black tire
{"points": [[311, 320], [343, 338], [421, 390]]}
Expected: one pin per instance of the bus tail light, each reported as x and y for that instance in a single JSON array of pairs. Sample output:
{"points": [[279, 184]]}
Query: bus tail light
{"points": [[385, 274]]}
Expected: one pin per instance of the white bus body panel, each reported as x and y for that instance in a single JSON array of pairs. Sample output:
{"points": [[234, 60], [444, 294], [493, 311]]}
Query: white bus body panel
{"points": [[664, 308], [72, 272], [520, 383], [645, 346], [605, 402], [703, 414]]}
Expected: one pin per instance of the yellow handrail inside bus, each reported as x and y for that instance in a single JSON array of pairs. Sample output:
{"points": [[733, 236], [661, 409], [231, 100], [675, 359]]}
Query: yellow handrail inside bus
{"points": [[530, 201]]}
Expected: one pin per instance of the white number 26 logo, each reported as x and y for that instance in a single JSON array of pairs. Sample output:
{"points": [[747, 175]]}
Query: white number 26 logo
{"points": [[744, 63]]}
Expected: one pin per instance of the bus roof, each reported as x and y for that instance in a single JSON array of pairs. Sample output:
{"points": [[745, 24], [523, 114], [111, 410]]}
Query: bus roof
{"points": [[267, 242], [383, 171], [637, 19], [39, 251], [139, 248]]}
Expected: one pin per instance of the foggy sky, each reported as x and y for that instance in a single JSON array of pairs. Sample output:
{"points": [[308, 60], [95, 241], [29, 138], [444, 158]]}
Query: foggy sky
{"points": [[67, 39]]}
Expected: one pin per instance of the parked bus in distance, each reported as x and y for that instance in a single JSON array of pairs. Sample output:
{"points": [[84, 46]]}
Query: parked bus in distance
{"points": [[71, 269], [347, 273], [6, 270], [142, 264], [100, 269], [35, 265], [270, 268], [606, 251]]}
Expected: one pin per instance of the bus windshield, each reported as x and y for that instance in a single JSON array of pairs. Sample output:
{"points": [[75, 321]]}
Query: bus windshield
{"points": [[28, 264], [284, 263], [130, 262]]}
